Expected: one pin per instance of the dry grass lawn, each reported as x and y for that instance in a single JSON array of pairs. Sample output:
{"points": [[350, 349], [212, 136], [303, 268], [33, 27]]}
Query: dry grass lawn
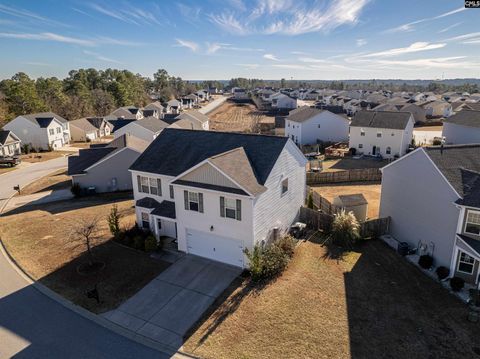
{"points": [[238, 117], [39, 238], [43, 156], [371, 191], [367, 304], [5, 169], [54, 181], [347, 163]]}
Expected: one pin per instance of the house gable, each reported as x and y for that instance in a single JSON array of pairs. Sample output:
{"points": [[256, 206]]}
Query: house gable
{"points": [[206, 173]]}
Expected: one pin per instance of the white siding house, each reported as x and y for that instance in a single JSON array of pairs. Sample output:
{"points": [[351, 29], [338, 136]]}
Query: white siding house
{"points": [[307, 125], [281, 101], [146, 129], [10, 145], [462, 128], [384, 133], [218, 193]]}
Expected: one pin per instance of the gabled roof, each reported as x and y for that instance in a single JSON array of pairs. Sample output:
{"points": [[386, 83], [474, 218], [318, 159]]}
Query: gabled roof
{"points": [[43, 119], [4, 134], [118, 123], [471, 106], [152, 124], [154, 106], [175, 151], [187, 124], [127, 112], [465, 117], [195, 115], [303, 114], [83, 124], [381, 119], [97, 122], [174, 103]]}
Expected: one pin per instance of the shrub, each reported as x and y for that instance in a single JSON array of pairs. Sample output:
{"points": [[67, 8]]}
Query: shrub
{"points": [[456, 284], [310, 201], [76, 190], [255, 258], [139, 242], [274, 261], [442, 272], [150, 244], [436, 142], [345, 229], [113, 220], [287, 245], [425, 261], [352, 151], [26, 148]]}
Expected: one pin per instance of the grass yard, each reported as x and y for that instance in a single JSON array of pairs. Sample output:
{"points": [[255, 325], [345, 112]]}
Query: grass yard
{"points": [[5, 169], [348, 163], [55, 181], [39, 238], [365, 304], [238, 117], [43, 156], [371, 191]]}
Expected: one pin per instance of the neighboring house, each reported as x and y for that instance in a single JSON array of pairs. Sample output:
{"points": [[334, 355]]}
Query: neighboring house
{"points": [[10, 145], [432, 196], [307, 125], [128, 113], [189, 101], [281, 101], [146, 129], [89, 128], [105, 168], [384, 133], [419, 114], [154, 109], [240, 94], [462, 128], [218, 193], [41, 130], [437, 108], [174, 106], [196, 120], [117, 122]]}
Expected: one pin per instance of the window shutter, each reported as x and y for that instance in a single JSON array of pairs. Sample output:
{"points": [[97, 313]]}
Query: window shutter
{"points": [[239, 210], [200, 202], [185, 196], [171, 192], [159, 186], [139, 182], [222, 206]]}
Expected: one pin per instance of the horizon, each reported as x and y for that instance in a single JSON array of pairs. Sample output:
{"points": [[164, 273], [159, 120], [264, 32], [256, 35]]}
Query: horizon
{"points": [[305, 40]]}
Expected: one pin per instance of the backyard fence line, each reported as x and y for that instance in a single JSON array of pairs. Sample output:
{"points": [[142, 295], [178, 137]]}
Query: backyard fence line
{"points": [[354, 175]]}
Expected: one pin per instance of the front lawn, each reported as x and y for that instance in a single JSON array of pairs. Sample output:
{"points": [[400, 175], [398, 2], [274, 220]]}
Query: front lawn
{"points": [[54, 181], [365, 304], [39, 238]]}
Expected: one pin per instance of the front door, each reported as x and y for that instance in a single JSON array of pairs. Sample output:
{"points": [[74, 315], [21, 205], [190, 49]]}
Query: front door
{"points": [[374, 150]]}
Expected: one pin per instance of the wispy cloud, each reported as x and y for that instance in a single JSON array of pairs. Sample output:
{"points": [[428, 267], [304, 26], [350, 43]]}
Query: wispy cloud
{"points": [[28, 15], [47, 36], [299, 53], [470, 38], [113, 14], [290, 17], [442, 62], [188, 44], [101, 57], [127, 13], [410, 26], [450, 27], [271, 57], [34, 63], [214, 47], [361, 42], [312, 60], [292, 66], [415, 47], [249, 66]]}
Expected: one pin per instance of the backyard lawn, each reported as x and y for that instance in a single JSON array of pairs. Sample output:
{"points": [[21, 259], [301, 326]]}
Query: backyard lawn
{"points": [[348, 163], [365, 304], [40, 240]]}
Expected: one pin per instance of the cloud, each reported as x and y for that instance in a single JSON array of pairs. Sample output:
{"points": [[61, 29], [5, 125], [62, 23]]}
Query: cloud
{"points": [[292, 66], [188, 44], [113, 14], [28, 15], [214, 47], [415, 47], [33, 63], [361, 42], [471, 38], [410, 26], [442, 62], [249, 66], [312, 60], [271, 57], [47, 36], [449, 27], [290, 17], [128, 14], [100, 57], [298, 53]]}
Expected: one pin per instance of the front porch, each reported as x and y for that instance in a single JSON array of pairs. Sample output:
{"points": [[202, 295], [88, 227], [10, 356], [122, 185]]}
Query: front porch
{"points": [[466, 259]]}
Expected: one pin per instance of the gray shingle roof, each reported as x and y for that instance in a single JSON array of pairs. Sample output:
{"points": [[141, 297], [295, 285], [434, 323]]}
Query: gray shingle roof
{"points": [[381, 119], [174, 151], [147, 202], [83, 124], [474, 243], [165, 209], [458, 163], [44, 117], [303, 114], [467, 118], [152, 124], [195, 115]]}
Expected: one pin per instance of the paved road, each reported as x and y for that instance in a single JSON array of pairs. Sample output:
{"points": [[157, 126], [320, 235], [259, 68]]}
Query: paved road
{"points": [[34, 326]]}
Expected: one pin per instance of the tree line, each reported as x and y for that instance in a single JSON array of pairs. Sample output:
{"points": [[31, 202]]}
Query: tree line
{"points": [[89, 92]]}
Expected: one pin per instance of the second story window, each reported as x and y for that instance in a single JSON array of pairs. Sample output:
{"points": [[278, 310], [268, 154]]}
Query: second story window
{"points": [[473, 223], [285, 185], [379, 134], [51, 131], [193, 201], [231, 208], [59, 130], [362, 133], [149, 185]]}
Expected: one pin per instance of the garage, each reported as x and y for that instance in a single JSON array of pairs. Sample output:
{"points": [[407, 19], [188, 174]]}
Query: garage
{"points": [[57, 143], [208, 245]]}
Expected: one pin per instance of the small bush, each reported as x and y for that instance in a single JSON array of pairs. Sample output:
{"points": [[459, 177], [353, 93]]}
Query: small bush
{"points": [[457, 283], [345, 230], [255, 258], [442, 272], [150, 244], [26, 148], [274, 261], [425, 261], [76, 190], [287, 244], [437, 142], [113, 220], [139, 243]]}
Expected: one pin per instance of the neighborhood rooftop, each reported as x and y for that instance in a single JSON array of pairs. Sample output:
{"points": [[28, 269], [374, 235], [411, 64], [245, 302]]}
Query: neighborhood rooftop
{"points": [[381, 119], [467, 118], [43, 119], [303, 113]]}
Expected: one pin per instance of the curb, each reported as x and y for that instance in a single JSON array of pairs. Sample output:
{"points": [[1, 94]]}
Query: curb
{"points": [[85, 313]]}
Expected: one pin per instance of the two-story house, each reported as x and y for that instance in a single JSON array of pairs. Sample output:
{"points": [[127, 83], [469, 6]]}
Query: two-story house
{"points": [[41, 130], [307, 125], [383, 133], [462, 128], [146, 129], [218, 193], [433, 198], [10, 145]]}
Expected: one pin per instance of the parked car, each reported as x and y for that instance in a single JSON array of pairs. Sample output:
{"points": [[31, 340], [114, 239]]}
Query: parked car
{"points": [[10, 161]]}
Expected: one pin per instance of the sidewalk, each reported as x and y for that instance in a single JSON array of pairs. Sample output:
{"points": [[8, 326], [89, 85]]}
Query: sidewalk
{"points": [[38, 198]]}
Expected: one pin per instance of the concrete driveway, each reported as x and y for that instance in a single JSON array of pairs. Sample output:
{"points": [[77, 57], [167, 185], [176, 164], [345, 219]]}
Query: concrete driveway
{"points": [[166, 308]]}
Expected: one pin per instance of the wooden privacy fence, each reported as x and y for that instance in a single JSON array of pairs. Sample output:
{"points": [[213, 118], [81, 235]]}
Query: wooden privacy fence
{"points": [[323, 204], [355, 175], [323, 221]]}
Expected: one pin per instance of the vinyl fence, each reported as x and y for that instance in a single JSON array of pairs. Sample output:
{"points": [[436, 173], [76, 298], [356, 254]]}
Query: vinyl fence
{"points": [[355, 175]]}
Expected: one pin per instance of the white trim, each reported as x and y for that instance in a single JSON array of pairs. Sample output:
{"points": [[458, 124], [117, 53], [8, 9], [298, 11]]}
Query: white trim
{"points": [[164, 218], [466, 221], [460, 259], [473, 253], [400, 159]]}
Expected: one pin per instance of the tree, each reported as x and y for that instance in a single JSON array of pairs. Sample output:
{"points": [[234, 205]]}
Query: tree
{"points": [[21, 94], [85, 232], [113, 220], [345, 229]]}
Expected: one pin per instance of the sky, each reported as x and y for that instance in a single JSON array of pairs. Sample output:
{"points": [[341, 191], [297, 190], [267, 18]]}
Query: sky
{"points": [[222, 39]]}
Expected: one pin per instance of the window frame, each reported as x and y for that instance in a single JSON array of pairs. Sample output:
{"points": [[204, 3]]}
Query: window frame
{"points": [[284, 187], [172, 193], [51, 131], [59, 130], [388, 151], [147, 221], [465, 262], [362, 132], [190, 201], [360, 145], [379, 135], [475, 213]]}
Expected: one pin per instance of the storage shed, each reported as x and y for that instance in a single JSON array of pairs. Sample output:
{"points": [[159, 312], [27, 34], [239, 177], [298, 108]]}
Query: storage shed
{"points": [[355, 203]]}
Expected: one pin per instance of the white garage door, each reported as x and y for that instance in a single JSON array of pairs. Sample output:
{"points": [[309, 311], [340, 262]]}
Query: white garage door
{"points": [[222, 249]]}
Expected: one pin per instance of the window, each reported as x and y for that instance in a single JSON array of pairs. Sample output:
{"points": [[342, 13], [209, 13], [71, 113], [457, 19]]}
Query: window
{"points": [[231, 208], [59, 130], [285, 185], [379, 134], [465, 263], [171, 192], [473, 223], [156, 186], [360, 145], [193, 201], [318, 125], [51, 131], [388, 150], [362, 133], [142, 184], [159, 223], [145, 220], [149, 185]]}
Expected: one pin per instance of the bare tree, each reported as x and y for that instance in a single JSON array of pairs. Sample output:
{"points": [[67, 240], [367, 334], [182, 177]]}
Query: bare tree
{"points": [[85, 232]]}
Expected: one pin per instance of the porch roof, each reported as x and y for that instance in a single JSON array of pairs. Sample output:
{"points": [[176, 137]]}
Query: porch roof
{"points": [[165, 209], [472, 243]]}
